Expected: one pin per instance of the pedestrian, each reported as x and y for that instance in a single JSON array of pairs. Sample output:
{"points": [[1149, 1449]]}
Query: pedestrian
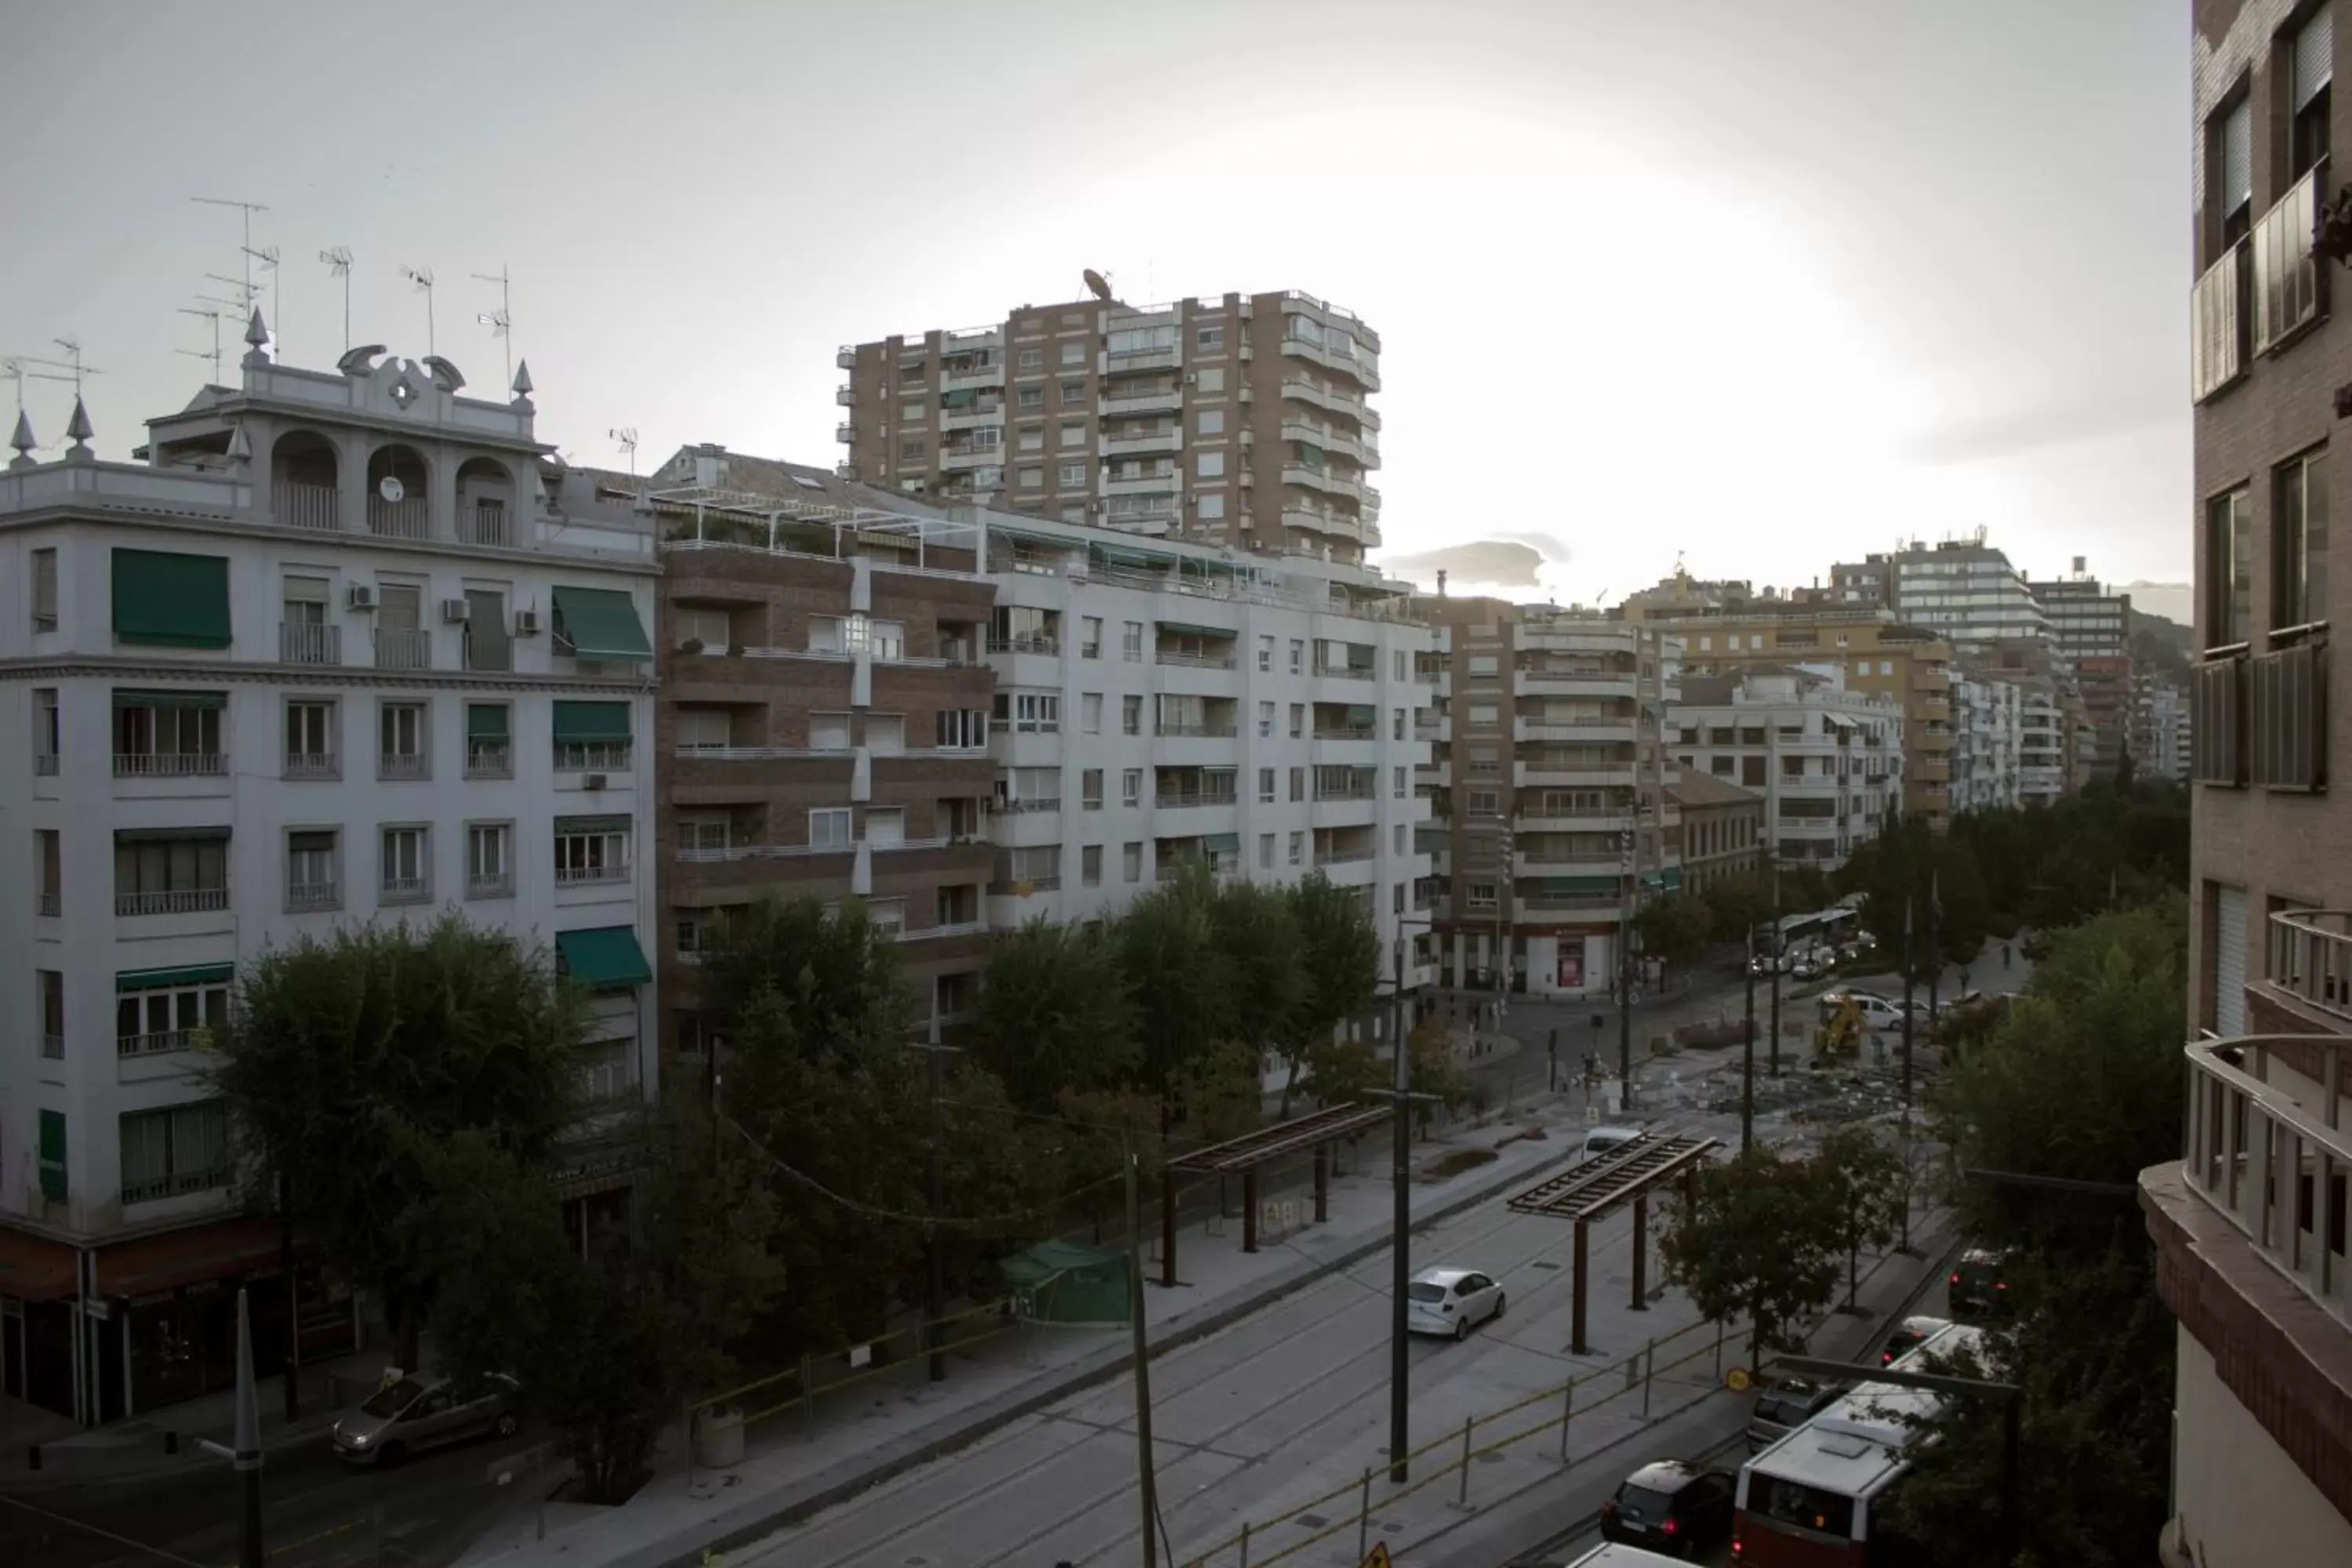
{"points": [[2004, 955]]}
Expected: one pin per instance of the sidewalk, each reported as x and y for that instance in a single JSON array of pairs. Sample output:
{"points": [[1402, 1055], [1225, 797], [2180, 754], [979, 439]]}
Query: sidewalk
{"points": [[858, 1437]]}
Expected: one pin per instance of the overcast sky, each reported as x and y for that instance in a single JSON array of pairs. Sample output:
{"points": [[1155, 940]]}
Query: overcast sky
{"points": [[1763, 285]]}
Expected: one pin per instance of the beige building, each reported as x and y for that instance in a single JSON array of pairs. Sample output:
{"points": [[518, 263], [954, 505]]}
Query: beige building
{"points": [[1238, 420], [1722, 832]]}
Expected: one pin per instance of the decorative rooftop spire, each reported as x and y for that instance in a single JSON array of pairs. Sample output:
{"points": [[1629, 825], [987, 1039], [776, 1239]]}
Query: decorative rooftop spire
{"points": [[78, 432], [522, 380], [23, 441], [257, 337], [239, 447]]}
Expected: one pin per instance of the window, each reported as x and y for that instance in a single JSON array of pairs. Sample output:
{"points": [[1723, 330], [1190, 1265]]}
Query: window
{"points": [[596, 848], [401, 728], [1481, 895], [178, 1150], [1265, 653], [158, 1019], [1212, 422], [696, 626], [962, 729], [44, 589], [1030, 713], [1265, 851], [1401, 846], [1074, 475], [1396, 724], [886, 825], [1090, 637], [404, 866], [886, 735], [1211, 465], [1033, 437], [1297, 656], [1398, 787], [1032, 478], [829, 827], [1090, 789], [1297, 847], [1484, 664], [1031, 359], [1210, 508], [1090, 712], [1485, 713], [1482, 802], [312, 880], [2228, 569], [1074, 434], [2299, 543], [913, 372], [826, 731], [1130, 857], [311, 740], [1130, 715], [1130, 642], [169, 733], [490, 862], [1210, 338], [1211, 379], [45, 729], [910, 450], [1751, 770], [1265, 721], [51, 985], [1073, 352], [1298, 785], [1130, 788], [1298, 721]]}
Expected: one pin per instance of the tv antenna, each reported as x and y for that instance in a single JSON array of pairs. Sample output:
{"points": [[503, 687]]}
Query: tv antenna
{"points": [[13, 367], [626, 437], [1099, 286], [214, 318], [422, 278], [268, 255], [247, 209], [501, 320], [71, 363], [338, 262]]}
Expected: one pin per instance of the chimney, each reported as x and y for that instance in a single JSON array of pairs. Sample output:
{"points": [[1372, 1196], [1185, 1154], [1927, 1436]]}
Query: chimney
{"points": [[1441, 582]]}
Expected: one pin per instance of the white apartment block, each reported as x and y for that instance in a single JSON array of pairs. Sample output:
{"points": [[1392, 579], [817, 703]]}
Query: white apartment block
{"points": [[1988, 727], [2044, 766], [1157, 700], [1827, 759], [2165, 733], [335, 648]]}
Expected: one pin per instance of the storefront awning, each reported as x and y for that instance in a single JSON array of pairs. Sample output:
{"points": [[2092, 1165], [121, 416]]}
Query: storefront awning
{"points": [[178, 1258], [163, 599], [600, 623], [486, 721], [591, 723], [1187, 629], [605, 958], [126, 697], [162, 979], [34, 1269]]}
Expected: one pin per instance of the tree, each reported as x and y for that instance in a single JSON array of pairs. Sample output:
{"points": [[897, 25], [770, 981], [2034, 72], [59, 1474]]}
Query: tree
{"points": [[1674, 929], [1739, 904], [1910, 867], [1177, 973], [1760, 1237], [1257, 936], [1341, 963], [1869, 1183], [834, 979], [1436, 1075], [1224, 1091], [1055, 1013], [1344, 1071], [351, 1055]]}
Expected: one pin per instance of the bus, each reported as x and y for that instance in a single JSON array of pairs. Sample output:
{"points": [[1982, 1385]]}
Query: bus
{"points": [[1809, 1500]]}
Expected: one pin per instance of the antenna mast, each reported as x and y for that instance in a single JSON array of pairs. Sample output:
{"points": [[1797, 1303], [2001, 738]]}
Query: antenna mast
{"points": [[422, 278], [214, 318], [268, 255], [501, 320], [247, 209], [339, 261], [625, 438]]}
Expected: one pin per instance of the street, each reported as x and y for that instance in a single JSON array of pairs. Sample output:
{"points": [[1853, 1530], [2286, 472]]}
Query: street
{"points": [[316, 1512]]}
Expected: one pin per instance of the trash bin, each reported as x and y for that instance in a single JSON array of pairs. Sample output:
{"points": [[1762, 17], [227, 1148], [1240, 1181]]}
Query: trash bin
{"points": [[718, 1439]]}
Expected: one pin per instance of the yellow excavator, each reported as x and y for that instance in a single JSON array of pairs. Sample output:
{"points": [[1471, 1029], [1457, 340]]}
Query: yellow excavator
{"points": [[1841, 1031]]}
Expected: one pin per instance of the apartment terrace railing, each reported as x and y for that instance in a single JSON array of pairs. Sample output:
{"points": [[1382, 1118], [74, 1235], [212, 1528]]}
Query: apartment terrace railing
{"points": [[1208, 728], [1349, 733], [1037, 642], [489, 759], [45, 764], [574, 876], [591, 756], [306, 506], [1031, 805], [2270, 1155], [2287, 723], [1021, 887], [406, 518], [399, 647], [403, 890], [713, 855], [2290, 286], [1344, 856], [403, 766], [2311, 958], [301, 642], [1348, 792], [1194, 660], [483, 523], [53, 1048], [50, 904], [498, 887], [1347, 672], [1180, 799], [314, 896], [313, 765], [168, 764], [2222, 322], [947, 928]]}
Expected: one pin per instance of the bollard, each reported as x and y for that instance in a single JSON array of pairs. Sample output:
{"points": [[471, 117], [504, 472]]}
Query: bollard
{"points": [[1632, 1370], [1364, 1515], [1648, 1364], [1246, 1543], [1718, 1350], [1567, 1414], [1462, 1499], [171, 1441], [33, 1457], [808, 1401]]}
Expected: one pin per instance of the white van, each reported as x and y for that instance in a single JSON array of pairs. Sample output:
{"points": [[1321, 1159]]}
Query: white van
{"points": [[1601, 1140]]}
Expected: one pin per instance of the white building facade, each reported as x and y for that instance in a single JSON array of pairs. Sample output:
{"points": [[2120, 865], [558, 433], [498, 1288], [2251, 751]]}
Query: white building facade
{"points": [[1987, 725], [1828, 760], [332, 653]]}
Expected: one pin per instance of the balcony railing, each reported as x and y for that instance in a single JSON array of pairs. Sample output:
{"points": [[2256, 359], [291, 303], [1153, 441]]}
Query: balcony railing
{"points": [[2290, 287], [1347, 672], [1347, 792], [168, 764], [1030, 806], [404, 766], [312, 765], [484, 523], [1342, 857], [1194, 660], [2217, 691], [403, 519], [402, 889], [1178, 799], [307, 505], [592, 757], [177, 1184], [945, 929], [489, 760], [1347, 732], [2261, 1154], [1028, 642], [314, 895], [2220, 323], [50, 904], [399, 647], [574, 876], [498, 887], [172, 901], [304, 642], [2287, 717], [45, 763], [53, 1048], [1209, 728], [2311, 957]]}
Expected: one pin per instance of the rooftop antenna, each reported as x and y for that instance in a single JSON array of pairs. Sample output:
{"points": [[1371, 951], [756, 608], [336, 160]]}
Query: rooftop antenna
{"points": [[1099, 286], [338, 262], [14, 369], [71, 364], [626, 437], [268, 255], [422, 278], [247, 209], [501, 320], [214, 318]]}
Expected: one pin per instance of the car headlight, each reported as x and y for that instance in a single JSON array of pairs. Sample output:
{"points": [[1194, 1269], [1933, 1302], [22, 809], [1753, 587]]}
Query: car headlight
{"points": [[360, 1441]]}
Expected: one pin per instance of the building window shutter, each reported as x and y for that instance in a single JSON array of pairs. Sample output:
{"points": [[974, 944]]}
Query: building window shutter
{"points": [[2238, 158], [2315, 57]]}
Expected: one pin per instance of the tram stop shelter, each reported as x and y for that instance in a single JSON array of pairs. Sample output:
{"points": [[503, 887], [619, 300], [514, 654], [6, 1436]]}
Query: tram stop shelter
{"points": [[1598, 1188], [1247, 1156]]}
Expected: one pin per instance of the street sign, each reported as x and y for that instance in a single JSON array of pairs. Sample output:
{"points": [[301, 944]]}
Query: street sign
{"points": [[1379, 1558], [1736, 1380]]}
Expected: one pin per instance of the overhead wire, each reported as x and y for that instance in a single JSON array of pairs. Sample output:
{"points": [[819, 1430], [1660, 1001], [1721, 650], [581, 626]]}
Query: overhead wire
{"points": [[876, 1210]]}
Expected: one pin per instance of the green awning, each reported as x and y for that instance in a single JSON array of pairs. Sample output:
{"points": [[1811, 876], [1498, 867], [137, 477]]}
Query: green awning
{"points": [[958, 399], [1117, 556], [1186, 629], [161, 979], [166, 600], [606, 958], [126, 697], [170, 834], [589, 723], [600, 623], [617, 822], [486, 721], [1221, 843]]}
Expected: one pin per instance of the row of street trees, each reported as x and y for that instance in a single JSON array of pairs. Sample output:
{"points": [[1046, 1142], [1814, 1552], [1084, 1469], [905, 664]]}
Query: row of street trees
{"points": [[416, 1091]]}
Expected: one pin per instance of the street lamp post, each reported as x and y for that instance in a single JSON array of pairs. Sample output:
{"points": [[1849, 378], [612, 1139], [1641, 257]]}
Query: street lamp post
{"points": [[1776, 963]]}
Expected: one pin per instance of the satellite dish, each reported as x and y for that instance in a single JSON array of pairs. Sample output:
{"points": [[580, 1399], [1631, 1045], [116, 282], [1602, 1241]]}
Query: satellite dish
{"points": [[1096, 284], [391, 489]]}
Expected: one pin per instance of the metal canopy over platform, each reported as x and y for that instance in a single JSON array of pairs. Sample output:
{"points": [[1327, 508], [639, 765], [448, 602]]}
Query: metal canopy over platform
{"points": [[1246, 1155], [1599, 1188]]}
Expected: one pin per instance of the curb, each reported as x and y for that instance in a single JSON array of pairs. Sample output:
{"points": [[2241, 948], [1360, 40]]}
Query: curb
{"points": [[767, 1518], [66, 1463]]}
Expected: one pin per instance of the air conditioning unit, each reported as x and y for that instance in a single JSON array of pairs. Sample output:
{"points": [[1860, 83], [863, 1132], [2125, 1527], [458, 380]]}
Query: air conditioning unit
{"points": [[591, 780], [526, 623], [456, 611], [1192, 377], [363, 597]]}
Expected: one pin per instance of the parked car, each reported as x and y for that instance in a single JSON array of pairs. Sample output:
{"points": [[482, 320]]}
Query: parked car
{"points": [[1450, 1301], [1879, 1014], [1979, 1284], [1908, 1336], [1785, 1403], [1601, 1140], [420, 1413], [1670, 1506]]}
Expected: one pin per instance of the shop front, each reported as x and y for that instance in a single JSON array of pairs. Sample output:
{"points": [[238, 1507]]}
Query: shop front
{"points": [[36, 1320]]}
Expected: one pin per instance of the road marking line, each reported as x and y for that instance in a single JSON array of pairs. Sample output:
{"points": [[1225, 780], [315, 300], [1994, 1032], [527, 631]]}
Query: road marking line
{"points": [[94, 1530], [276, 1547]]}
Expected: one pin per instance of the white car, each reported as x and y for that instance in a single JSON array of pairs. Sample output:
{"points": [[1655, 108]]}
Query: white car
{"points": [[1878, 1013], [1450, 1301]]}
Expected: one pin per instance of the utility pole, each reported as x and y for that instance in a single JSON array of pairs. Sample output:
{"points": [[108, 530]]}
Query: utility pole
{"points": [[1625, 959], [1748, 1063], [1776, 963], [1909, 964], [935, 1288], [246, 1456], [293, 1296], [1400, 1242], [1147, 1487], [1934, 942]]}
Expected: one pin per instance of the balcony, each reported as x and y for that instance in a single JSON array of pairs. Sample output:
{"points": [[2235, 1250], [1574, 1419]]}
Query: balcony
{"points": [[845, 433], [1183, 660], [2286, 717], [970, 377], [845, 396], [592, 757], [312, 765], [307, 505], [2290, 287], [1141, 400], [401, 890], [846, 357], [500, 886], [1186, 799], [581, 875], [1347, 672], [2261, 1153], [2311, 958], [404, 767], [1162, 480], [305, 642], [165, 1043], [489, 759], [947, 928], [1343, 856], [172, 902], [407, 518], [968, 417], [1167, 438], [2217, 690], [311, 897], [1204, 728], [399, 647], [168, 764], [1348, 731], [484, 523], [1046, 643], [2220, 323]]}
